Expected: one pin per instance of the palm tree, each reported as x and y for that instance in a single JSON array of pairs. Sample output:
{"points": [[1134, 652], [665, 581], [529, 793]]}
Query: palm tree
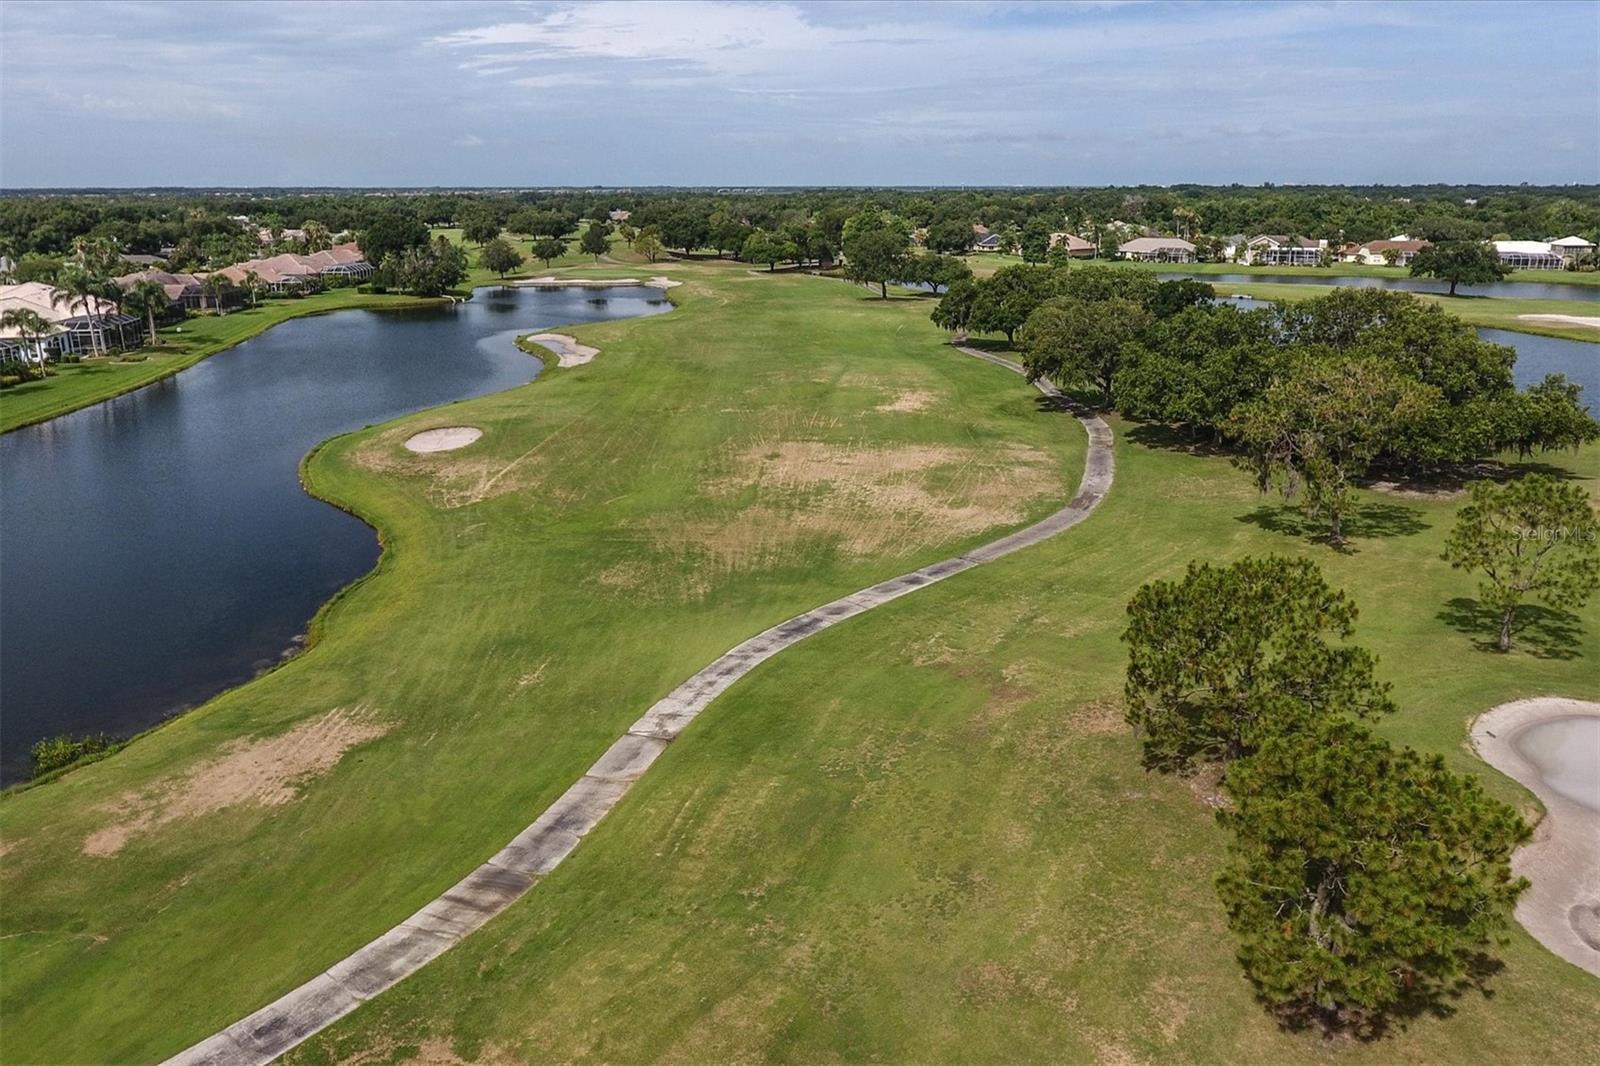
{"points": [[254, 286], [217, 286], [147, 299], [317, 237], [78, 286], [30, 325]]}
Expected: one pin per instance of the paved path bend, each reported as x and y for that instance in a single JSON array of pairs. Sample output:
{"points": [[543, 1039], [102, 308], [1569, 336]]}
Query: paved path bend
{"points": [[538, 849]]}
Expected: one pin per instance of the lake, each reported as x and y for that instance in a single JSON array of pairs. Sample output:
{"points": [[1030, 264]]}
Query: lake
{"points": [[1525, 290], [157, 548]]}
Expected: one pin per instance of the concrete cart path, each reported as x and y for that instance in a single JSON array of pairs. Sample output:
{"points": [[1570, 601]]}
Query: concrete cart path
{"points": [[538, 849]]}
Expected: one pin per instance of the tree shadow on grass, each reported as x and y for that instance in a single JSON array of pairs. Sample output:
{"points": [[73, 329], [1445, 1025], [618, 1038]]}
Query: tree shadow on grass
{"points": [[1369, 521], [1170, 438], [1427, 1000], [1543, 632]]}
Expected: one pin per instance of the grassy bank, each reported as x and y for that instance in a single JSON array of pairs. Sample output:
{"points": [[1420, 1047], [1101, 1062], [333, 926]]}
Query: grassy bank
{"points": [[921, 836], [76, 385]]}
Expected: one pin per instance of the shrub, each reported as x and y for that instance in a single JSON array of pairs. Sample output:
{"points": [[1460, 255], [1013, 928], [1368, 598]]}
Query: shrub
{"points": [[53, 753]]}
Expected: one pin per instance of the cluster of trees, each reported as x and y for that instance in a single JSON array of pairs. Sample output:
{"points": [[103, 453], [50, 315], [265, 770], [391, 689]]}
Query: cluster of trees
{"points": [[429, 268], [1311, 395], [813, 219], [1361, 880]]}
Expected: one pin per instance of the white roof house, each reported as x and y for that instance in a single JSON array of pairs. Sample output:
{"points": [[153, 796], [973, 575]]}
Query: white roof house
{"points": [[1577, 243], [1529, 254], [1161, 249], [41, 299]]}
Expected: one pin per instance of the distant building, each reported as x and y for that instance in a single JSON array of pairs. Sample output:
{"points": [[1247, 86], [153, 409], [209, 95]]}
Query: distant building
{"points": [[1075, 245], [1529, 255], [185, 292], [1273, 249], [292, 271], [1157, 250], [989, 242], [619, 215]]}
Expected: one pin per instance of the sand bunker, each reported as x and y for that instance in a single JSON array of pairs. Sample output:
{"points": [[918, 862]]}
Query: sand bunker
{"points": [[550, 281], [1562, 909], [1592, 321], [265, 772], [568, 351], [447, 439]]}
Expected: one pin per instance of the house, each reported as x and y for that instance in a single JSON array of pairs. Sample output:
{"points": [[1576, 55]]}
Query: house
{"points": [[1401, 250], [292, 271], [185, 292], [1273, 249], [1529, 255], [989, 242], [75, 327], [1075, 245], [1157, 250], [619, 215], [1571, 249]]}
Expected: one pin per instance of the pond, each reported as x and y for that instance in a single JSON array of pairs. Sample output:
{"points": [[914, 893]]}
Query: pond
{"points": [[1566, 752], [157, 548], [1525, 290]]}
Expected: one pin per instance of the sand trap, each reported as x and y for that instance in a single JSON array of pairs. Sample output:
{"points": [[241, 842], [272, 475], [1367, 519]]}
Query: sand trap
{"points": [[1562, 909], [1592, 321], [550, 281], [447, 439], [568, 351]]}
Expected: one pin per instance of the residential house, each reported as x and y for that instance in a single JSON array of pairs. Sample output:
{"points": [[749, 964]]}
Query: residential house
{"points": [[1273, 249], [1076, 246], [1157, 250], [75, 328], [185, 292], [989, 242], [1402, 250], [619, 215], [292, 271], [1529, 255], [1571, 249]]}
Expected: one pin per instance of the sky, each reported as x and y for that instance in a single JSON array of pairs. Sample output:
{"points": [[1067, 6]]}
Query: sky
{"points": [[741, 93]]}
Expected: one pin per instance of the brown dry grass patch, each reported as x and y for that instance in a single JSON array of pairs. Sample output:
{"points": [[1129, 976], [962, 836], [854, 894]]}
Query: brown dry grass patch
{"points": [[867, 500], [910, 400], [264, 772]]}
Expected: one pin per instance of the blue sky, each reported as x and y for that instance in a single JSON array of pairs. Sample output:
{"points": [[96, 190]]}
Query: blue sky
{"points": [[741, 93]]}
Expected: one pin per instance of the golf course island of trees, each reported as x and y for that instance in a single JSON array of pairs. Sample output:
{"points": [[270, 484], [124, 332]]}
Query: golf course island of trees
{"points": [[1093, 648]]}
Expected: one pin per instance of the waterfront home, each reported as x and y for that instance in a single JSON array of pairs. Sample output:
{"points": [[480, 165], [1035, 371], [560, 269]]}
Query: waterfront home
{"points": [[75, 327], [1401, 250], [1075, 245], [1571, 249], [1157, 250], [1276, 249], [185, 292], [1529, 255], [294, 272], [989, 242]]}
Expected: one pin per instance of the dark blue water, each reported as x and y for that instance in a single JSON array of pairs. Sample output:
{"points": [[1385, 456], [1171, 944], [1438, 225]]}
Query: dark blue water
{"points": [[1538, 356], [157, 548], [1526, 290]]}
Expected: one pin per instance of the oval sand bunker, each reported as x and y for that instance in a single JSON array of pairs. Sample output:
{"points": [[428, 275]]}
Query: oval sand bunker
{"points": [[443, 440]]}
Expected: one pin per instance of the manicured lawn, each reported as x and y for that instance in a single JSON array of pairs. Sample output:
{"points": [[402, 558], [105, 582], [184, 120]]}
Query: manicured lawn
{"points": [[713, 471], [923, 835], [184, 344]]}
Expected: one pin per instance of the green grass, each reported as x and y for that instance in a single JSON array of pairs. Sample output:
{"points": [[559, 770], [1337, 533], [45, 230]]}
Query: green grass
{"points": [[620, 256], [76, 385], [921, 836]]}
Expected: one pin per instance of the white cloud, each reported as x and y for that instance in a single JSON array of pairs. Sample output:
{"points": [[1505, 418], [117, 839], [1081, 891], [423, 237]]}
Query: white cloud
{"points": [[470, 140]]}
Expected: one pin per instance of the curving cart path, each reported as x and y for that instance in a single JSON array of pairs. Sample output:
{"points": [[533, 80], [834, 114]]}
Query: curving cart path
{"points": [[538, 849]]}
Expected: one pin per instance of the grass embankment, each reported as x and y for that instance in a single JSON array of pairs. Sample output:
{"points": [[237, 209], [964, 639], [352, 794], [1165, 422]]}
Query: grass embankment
{"points": [[76, 385], [921, 836], [772, 444]]}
